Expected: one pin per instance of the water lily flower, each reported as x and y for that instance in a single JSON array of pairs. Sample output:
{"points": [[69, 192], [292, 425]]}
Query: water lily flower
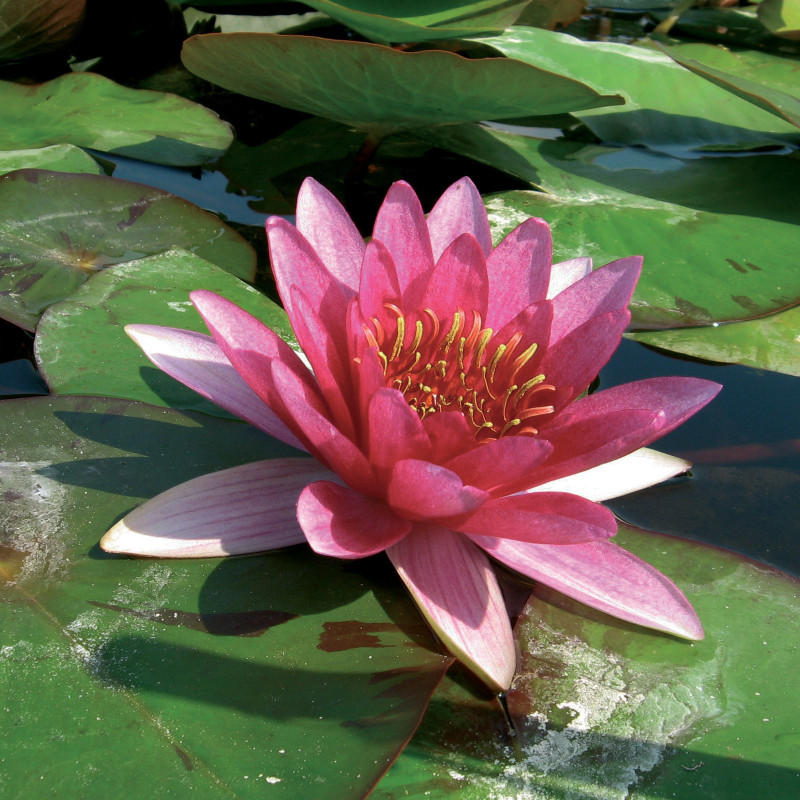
{"points": [[445, 407]]}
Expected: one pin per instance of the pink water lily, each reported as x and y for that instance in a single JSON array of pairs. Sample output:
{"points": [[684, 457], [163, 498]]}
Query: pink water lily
{"points": [[445, 408]]}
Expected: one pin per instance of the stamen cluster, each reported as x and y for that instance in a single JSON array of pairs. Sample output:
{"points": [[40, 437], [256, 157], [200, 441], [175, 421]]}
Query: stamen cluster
{"points": [[458, 365]]}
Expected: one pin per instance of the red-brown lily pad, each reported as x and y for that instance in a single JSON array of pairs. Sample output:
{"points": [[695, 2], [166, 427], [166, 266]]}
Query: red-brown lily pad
{"points": [[57, 229]]}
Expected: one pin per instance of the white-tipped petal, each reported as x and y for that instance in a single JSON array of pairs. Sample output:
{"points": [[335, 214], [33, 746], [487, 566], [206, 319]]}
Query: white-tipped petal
{"points": [[246, 509], [637, 470], [565, 273]]}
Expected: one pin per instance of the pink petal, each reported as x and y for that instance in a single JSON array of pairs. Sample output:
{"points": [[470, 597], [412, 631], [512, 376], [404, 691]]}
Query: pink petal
{"points": [[378, 282], [342, 523], [459, 210], [325, 224], [458, 280], [197, 361], [451, 434], [565, 273], [519, 271], [295, 263], [607, 289], [638, 470], [495, 464], [245, 509], [400, 225], [546, 518], [457, 591], [323, 439], [614, 422], [395, 430], [421, 490], [606, 577]]}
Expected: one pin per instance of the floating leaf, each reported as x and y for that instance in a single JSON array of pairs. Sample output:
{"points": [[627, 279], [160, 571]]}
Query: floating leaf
{"points": [[782, 17], [33, 27], [665, 109], [607, 710], [59, 157], [767, 343], [378, 89], [167, 679], [152, 126], [81, 346], [57, 229]]}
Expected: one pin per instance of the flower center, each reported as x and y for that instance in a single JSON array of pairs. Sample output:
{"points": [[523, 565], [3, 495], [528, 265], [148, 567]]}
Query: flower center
{"points": [[461, 367]]}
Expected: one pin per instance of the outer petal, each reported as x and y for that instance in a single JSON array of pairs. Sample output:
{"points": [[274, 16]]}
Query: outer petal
{"points": [[607, 289], [457, 591], [604, 576], [459, 210], [378, 282], [400, 225], [565, 273], [345, 524], [637, 470], [519, 271], [395, 430], [325, 224], [547, 518], [421, 490], [197, 361], [245, 509]]}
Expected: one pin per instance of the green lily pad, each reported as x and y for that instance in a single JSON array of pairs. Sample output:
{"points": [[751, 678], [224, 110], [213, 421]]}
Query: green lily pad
{"points": [[782, 17], [81, 347], [33, 27], [272, 674], [781, 104], [767, 343], [151, 126], [665, 108], [699, 267], [57, 229], [607, 710], [58, 157], [378, 89]]}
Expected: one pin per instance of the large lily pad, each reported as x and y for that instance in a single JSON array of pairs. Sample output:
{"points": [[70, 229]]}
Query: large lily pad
{"points": [[152, 126], [378, 89], [606, 710], [57, 229], [782, 17], [665, 109], [274, 674], [699, 267], [33, 27], [59, 157], [81, 346]]}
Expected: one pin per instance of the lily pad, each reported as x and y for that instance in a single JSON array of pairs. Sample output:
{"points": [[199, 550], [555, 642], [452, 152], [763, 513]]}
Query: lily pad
{"points": [[58, 157], [605, 710], [33, 27], [666, 109], [57, 229], [699, 267], [242, 677], [782, 17], [81, 347], [377, 89], [152, 126], [767, 343]]}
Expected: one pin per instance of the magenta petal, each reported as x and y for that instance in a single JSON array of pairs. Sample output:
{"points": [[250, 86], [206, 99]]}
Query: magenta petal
{"points": [[451, 434], [604, 576], [459, 280], [325, 224], [395, 430], [456, 589], [401, 227], [197, 361], [245, 509], [495, 464], [545, 518], [607, 289], [378, 282], [459, 210], [565, 273], [421, 490], [519, 271], [342, 523]]}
